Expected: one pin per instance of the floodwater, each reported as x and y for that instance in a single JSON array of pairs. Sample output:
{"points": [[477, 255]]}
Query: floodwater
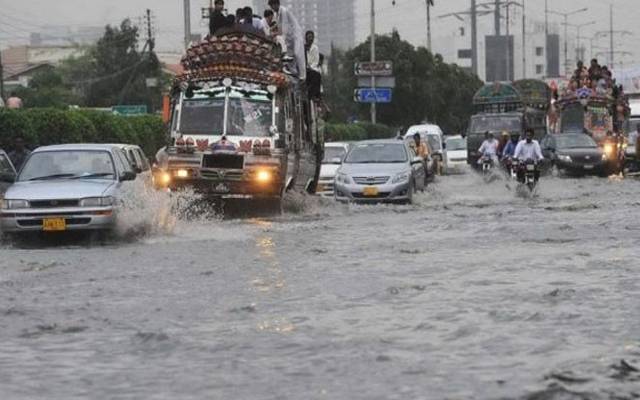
{"points": [[472, 293]]}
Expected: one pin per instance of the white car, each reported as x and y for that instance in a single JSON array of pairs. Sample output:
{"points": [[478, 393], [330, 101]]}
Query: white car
{"points": [[67, 187], [334, 154], [455, 154]]}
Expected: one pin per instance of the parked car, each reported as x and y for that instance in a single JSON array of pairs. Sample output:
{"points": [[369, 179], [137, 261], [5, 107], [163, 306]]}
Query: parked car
{"points": [[67, 187], [455, 154], [573, 153], [334, 153], [138, 161], [7, 173], [380, 171]]}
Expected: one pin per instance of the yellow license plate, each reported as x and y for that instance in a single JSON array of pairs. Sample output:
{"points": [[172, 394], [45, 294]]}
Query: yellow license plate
{"points": [[370, 191], [54, 224]]}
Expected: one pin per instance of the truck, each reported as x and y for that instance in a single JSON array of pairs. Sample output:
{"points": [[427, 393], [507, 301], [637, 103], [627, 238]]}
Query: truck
{"points": [[507, 107], [241, 125], [600, 116]]}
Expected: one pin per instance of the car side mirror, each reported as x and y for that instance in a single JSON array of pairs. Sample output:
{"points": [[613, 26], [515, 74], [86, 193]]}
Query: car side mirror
{"points": [[128, 176], [7, 178], [417, 160], [444, 145]]}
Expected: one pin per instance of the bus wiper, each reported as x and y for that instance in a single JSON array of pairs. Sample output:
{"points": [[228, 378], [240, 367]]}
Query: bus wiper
{"points": [[56, 176]]}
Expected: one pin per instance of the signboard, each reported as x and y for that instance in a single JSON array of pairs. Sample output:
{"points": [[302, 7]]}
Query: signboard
{"points": [[377, 68], [129, 110], [382, 82], [369, 95]]}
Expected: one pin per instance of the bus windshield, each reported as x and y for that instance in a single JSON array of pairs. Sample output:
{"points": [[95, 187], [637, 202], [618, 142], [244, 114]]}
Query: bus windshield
{"points": [[247, 116], [480, 124]]}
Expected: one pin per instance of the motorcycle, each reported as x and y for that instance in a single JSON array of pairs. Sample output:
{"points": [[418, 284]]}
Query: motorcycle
{"points": [[487, 165], [511, 168], [529, 169]]}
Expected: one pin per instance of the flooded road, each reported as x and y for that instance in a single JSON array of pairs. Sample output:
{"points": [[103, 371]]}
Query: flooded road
{"points": [[472, 293]]}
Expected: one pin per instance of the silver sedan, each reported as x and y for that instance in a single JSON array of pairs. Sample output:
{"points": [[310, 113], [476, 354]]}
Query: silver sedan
{"points": [[66, 187], [380, 171]]}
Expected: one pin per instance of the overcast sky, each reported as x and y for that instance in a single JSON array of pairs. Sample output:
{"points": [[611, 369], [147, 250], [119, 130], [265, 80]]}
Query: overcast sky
{"points": [[19, 18]]}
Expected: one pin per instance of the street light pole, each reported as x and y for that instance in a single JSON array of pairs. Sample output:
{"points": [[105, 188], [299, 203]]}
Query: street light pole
{"points": [[373, 57], [566, 16]]}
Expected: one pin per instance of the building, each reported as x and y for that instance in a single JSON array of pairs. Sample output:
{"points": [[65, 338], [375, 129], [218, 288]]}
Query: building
{"points": [[528, 61], [333, 21], [21, 62]]}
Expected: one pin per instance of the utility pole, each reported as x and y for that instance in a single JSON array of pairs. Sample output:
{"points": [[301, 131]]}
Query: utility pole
{"points": [[473, 13], [474, 38], [508, 69], [1, 78], [150, 38], [373, 57], [429, 2], [611, 34], [566, 16], [546, 37], [524, 42], [496, 18], [187, 23]]}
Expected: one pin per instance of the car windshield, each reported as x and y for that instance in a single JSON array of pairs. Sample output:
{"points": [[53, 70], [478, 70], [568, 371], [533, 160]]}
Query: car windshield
{"points": [[62, 164], [455, 144], [331, 153], [377, 153], [495, 124], [248, 115], [5, 165], [575, 142]]}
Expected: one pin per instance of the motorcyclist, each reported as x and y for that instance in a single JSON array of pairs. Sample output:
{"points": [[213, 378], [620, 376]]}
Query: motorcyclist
{"points": [[509, 151], [528, 150], [489, 148], [419, 146]]}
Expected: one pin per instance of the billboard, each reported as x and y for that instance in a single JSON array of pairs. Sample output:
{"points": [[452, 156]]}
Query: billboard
{"points": [[499, 58]]}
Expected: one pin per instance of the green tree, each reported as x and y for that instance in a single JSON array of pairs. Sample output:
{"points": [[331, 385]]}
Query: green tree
{"points": [[427, 88], [47, 89], [119, 70]]}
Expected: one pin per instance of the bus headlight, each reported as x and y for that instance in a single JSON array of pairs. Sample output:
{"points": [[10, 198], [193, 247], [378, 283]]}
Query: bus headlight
{"points": [[609, 149], [264, 176]]}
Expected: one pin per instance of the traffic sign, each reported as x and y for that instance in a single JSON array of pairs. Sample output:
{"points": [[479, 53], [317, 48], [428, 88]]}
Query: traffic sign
{"points": [[129, 110], [382, 81], [377, 68], [370, 95]]}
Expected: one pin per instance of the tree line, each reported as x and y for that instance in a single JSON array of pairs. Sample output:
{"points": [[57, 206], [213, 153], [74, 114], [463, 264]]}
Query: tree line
{"points": [[427, 88]]}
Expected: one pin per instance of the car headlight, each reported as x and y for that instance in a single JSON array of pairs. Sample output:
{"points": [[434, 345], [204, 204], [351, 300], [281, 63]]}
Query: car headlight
{"points": [[97, 202], [564, 158], [401, 177], [13, 204], [342, 178], [605, 157]]}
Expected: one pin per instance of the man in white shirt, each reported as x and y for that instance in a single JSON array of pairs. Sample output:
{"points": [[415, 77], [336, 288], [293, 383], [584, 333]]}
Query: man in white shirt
{"points": [[314, 74], [489, 148], [292, 33], [528, 150]]}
